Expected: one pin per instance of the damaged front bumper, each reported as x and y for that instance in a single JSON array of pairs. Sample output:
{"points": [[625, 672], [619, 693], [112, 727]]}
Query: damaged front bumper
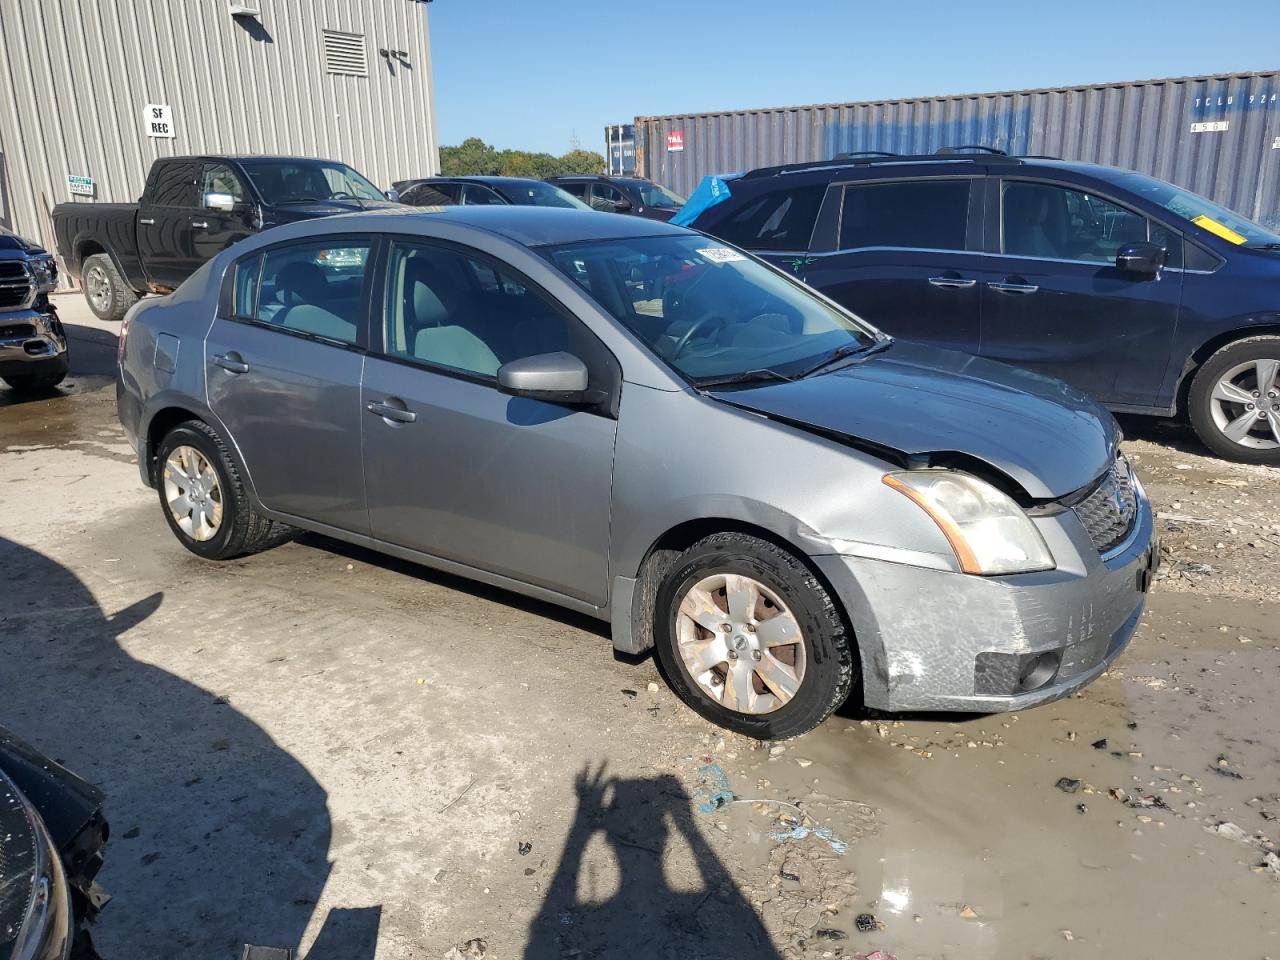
{"points": [[934, 639]]}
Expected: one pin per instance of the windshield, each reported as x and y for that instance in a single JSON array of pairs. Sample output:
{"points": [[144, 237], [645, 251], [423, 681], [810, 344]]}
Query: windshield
{"points": [[653, 195], [300, 181], [535, 193], [709, 310], [1205, 214]]}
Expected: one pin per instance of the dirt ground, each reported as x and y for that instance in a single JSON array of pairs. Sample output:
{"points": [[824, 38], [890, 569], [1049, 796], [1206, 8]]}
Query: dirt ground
{"points": [[322, 748]]}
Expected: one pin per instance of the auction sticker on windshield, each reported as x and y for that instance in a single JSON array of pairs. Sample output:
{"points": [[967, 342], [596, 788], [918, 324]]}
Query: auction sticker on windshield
{"points": [[721, 255], [1222, 230]]}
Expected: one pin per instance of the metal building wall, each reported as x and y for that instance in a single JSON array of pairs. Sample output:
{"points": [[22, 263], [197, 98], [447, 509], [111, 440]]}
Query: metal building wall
{"points": [[75, 76], [1146, 126]]}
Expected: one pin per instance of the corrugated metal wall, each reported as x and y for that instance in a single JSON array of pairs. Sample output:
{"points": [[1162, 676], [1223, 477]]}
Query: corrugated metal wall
{"points": [[1146, 126], [76, 75]]}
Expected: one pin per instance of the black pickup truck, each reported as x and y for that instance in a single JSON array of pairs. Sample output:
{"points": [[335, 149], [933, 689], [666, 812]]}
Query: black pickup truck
{"points": [[191, 209]]}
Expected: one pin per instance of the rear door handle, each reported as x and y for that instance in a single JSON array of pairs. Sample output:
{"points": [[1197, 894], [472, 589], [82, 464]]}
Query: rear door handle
{"points": [[952, 283], [202, 224], [231, 363], [146, 220], [388, 411], [1012, 288]]}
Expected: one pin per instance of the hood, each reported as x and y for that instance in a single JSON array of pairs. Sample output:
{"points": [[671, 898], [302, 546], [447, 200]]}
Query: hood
{"points": [[14, 245], [1047, 437], [293, 212]]}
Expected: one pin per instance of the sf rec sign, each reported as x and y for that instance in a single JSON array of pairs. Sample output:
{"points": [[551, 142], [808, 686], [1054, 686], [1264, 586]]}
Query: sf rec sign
{"points": [[157, 120]]}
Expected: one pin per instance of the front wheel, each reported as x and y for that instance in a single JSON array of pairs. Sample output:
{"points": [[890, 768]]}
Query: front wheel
{"points": [[751, 639], [1235, 401]]}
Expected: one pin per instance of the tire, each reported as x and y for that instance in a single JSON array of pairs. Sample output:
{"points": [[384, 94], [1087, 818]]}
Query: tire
{"points": [[820, 683], [108, 296], [45, 377], [1237, 367], [239, 529]]}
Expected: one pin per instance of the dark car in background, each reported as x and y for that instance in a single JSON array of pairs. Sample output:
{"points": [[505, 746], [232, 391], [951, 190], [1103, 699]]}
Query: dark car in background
{"points": [[633, 195], [33, 345], [484, 192], [1150, 298], [52, 834], [191, 209]]}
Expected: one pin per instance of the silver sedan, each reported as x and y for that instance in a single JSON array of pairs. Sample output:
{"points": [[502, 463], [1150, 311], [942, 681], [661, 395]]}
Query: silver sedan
{"points": [[637, 422]]}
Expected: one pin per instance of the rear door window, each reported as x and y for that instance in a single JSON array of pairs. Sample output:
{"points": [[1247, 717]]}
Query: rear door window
{"points": [[577, 189], [479, 195], [778, 220], [428, 195], [174, 184], [912, 214], [315, 288]]}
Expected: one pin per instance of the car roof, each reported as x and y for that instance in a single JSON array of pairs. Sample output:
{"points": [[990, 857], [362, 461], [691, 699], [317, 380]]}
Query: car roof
{"points": [[527, 225], [487, 180], [940, 164]]}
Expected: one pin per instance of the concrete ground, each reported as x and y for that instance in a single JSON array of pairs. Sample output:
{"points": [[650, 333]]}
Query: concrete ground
{"points": [[322, 748]]}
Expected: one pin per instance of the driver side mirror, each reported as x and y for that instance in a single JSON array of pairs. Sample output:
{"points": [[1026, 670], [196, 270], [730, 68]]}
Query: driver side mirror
{"points": [[622, 206], [553, 377], [222, 202], [393, 195], [1143, 259]]}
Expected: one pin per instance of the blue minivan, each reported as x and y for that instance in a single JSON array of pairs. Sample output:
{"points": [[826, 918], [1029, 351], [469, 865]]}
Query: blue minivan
{"points": [[1150, 298]]}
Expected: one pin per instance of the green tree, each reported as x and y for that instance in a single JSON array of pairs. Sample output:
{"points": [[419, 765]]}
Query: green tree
{"points": [[475, 158]]}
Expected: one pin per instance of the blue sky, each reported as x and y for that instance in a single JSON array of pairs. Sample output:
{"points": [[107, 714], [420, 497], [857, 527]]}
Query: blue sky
{"points": [[532, 74]]}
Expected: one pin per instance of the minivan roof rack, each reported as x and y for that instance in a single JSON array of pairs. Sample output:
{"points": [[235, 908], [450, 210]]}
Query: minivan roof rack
{"points": [[857, 154], [948, 151], [871, 158]]}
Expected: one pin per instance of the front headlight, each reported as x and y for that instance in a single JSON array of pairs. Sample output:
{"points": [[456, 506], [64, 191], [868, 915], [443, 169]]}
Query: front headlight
{"points": [[33, 887], [989, 533]]}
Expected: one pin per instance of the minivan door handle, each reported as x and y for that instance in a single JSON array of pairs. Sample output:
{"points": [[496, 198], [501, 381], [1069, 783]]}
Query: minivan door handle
{"points": [[952, 281], [146, 220], [230, 362], [1015, 286], [200, 224], [393, 409]]}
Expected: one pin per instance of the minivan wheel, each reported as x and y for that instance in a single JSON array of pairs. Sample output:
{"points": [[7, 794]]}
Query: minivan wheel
{"points": [[1235, 401], [108, 296], [749, 637], [203, 498]]}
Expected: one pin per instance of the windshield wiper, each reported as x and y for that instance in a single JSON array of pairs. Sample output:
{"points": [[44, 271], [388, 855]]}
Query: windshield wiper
{"points": [[299, 200], [1269, 245], [842, 352], [749, 376]]}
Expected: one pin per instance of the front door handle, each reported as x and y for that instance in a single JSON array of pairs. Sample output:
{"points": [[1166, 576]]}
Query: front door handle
{"points": [[202, 224], [231, 363], [388, 410], [146, 220], [952, 282], [1015, 286]]}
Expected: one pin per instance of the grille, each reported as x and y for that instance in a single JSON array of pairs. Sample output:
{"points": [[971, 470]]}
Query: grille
{"points": [[15, 284], [17, 863], [1108, 512]]}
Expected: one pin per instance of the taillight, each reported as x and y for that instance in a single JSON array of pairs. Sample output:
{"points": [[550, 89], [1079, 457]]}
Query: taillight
{"points": [[124, 333]]}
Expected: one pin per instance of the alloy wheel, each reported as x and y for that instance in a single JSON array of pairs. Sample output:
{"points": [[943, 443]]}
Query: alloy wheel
{"points": [[740, 643], [192, 491], [97, 288], [1245, 404]]}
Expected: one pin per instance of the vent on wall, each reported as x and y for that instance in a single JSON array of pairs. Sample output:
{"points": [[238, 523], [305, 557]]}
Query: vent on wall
{"points": [[344, 53]]}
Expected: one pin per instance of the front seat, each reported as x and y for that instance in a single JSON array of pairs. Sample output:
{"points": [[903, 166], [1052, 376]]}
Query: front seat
{"points": [[455, 347]]}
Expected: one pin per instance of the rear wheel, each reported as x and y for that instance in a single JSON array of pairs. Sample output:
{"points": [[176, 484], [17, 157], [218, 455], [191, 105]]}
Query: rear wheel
{"points": [[108, 296], [1235, 401], [750, 638], [203, 497]]}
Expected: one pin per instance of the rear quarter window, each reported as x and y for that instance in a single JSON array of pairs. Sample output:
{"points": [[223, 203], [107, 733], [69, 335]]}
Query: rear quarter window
{"points": [[779, 219]]}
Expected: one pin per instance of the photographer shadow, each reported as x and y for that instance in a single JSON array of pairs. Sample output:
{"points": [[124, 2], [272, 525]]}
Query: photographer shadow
{"points": [[642, 913]]}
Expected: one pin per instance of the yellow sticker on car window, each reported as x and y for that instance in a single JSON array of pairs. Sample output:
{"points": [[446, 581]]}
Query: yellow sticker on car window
{"points": [[1213, 226]]}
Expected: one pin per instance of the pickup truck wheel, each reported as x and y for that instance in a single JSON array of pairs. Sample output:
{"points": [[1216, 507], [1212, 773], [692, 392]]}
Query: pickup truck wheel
{"points": [[1235, 401], [750, 638], [203, 497], [105, 290]]}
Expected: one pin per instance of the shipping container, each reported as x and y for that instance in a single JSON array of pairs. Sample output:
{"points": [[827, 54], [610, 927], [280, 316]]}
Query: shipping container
{"points": [[620, 149], [1218, 136]]}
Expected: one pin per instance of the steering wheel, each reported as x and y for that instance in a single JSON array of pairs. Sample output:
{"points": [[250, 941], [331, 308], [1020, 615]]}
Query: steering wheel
{"points": [[697, 325]]}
